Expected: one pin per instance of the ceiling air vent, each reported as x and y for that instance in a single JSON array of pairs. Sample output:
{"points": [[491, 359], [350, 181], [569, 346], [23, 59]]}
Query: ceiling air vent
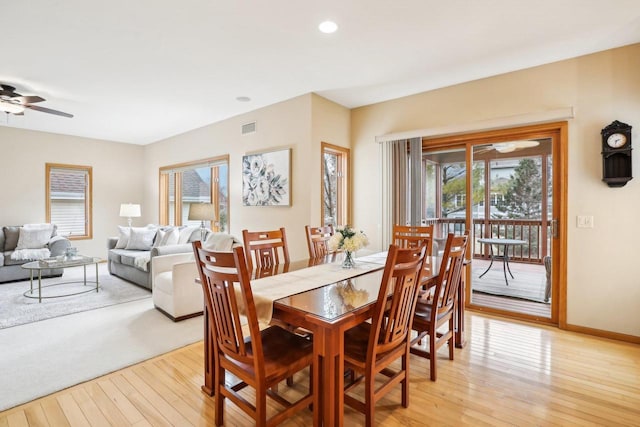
{"points": [[248, 128]]}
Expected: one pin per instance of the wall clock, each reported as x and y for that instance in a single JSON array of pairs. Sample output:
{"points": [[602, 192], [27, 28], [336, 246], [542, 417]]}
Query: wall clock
{"points": [[616, 154]]}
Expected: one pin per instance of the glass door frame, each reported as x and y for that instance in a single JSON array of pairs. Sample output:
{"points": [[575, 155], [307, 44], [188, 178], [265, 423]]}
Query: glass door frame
{"points": [[558, 132]]}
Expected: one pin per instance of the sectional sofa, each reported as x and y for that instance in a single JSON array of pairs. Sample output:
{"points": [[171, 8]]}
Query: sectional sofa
{"points": [[131, 259]]}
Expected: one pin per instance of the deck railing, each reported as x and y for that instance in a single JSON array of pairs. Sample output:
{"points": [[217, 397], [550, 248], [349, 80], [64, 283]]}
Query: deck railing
{"points": [[533, 231]]}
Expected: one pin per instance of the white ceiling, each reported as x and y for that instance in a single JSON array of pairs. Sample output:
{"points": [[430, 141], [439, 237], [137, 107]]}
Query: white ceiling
{"points": [[141, 71]]}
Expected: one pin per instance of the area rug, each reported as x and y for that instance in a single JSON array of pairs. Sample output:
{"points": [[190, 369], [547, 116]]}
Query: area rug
{"points": [[524, 286], [17, 309], [44, 357]]}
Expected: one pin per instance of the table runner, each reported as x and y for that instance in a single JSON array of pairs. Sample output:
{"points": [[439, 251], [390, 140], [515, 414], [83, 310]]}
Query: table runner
{"points": [[269, 289]]}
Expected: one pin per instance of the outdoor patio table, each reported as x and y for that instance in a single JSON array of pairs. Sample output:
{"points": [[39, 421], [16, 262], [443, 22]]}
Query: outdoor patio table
{"points": [[505, 243]]}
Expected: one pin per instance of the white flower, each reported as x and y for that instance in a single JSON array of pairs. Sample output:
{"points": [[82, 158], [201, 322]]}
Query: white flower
{"points": [[348, 240]]}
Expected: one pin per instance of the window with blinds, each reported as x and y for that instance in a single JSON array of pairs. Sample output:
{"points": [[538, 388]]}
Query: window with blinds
{"points": [[69, 199], [201, 181]]}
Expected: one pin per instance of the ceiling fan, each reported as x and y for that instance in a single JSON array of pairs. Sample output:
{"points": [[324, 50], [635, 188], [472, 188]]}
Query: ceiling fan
{"points": [[12, 102], [508, 146]]}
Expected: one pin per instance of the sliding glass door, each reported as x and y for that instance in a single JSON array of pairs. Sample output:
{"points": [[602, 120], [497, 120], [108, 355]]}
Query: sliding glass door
{"points": [[504, 187]]}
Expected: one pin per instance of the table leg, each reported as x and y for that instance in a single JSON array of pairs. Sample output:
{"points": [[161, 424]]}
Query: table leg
{"points": [[39, 285], [505, 264], [490, 264], [31, 280], [329, 353], [97, 277], [506, 261], [84, 267]]}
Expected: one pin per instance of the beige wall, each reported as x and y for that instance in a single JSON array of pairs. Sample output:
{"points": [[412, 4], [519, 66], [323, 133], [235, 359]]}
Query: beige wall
{"points": [[283, 125], [603, 277], [117, 178], [330, 123], [603, 270], [299, 123]]}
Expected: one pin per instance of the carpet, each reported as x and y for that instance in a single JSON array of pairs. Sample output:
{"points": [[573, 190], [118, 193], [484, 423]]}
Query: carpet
{"points": [[43, 357], [16, 309], [524, 285]]}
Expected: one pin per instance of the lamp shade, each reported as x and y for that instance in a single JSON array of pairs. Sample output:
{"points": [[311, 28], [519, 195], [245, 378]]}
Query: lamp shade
{"points": [[202, 212], [129, 210]]}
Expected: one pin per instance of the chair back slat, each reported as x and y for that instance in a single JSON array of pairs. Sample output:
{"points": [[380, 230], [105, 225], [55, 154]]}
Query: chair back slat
{"points": [[264, 247], [408, 236], [317, 239], [450, 272], [402, 275], [221, 275]]}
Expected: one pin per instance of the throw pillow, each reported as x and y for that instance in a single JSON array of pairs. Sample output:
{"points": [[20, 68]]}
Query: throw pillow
{"points": [[219, 242], [34, 236], [167, 237], [185, 234], [141, 238], [11, 236], [123, 237]]}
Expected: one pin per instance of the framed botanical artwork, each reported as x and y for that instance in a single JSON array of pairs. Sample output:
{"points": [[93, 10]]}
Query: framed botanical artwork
{"points": [[266, 178]]}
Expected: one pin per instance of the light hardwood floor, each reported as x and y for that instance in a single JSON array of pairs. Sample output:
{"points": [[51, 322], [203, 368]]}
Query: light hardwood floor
{"points": [[510, 373]]}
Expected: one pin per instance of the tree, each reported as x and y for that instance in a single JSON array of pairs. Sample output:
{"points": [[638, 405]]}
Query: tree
{"points": [[330, 193], [454, 187], [523, 196]]}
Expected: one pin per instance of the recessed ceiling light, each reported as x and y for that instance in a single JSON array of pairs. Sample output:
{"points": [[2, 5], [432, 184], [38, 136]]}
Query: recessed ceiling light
{"points": [[243, 99], [328, 27]]}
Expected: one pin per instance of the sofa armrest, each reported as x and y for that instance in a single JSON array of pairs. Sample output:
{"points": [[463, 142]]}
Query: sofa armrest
{"points": [[172, 249], [111, 242], [162, 263], [186, 272], [57, 245]]}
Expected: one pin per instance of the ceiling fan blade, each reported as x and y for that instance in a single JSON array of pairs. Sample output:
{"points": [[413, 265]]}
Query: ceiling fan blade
{"points": [[49, 110], [482, 150], [32, 99]]}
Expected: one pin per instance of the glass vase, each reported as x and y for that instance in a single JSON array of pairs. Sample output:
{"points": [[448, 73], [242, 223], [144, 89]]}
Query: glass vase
{"points": [[348, 262]]}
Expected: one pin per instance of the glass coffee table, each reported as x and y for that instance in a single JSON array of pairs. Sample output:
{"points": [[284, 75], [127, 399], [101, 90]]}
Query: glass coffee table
{"points": [[64, 262]]}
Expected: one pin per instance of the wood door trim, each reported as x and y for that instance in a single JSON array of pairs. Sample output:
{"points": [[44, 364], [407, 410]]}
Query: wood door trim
{"points": [[558, 131]]}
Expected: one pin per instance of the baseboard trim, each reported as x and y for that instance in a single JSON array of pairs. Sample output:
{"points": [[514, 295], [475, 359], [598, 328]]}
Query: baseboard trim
{"points": [[603, 334], [178, 319]]}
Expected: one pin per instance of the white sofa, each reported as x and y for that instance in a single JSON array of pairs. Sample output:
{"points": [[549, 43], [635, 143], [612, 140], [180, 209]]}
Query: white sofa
{"points": [[173, 279], [175, 291]]}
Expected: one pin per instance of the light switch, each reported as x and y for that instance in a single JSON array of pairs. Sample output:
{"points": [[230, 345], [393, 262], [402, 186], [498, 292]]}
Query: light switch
{"points": [[584, 221]]}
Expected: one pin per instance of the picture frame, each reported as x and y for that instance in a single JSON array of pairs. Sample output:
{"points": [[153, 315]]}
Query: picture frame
{"points": [[266, 178]]}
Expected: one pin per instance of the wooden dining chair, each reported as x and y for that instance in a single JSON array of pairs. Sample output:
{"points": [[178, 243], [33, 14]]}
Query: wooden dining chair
{"points": [[370, 348], [409, 236], [436, 307], [265, 247], [260, 359], [317, 240]]}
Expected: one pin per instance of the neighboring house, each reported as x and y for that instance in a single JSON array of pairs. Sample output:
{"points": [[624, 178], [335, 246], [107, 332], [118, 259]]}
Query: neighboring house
{"points": [[68, 202]]}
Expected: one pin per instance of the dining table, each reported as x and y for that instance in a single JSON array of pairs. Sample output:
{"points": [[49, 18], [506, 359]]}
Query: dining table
{"points": [[329, 300]]}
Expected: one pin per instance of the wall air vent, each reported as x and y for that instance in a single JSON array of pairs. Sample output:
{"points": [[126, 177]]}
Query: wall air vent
{"points": [[248, 128]]}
